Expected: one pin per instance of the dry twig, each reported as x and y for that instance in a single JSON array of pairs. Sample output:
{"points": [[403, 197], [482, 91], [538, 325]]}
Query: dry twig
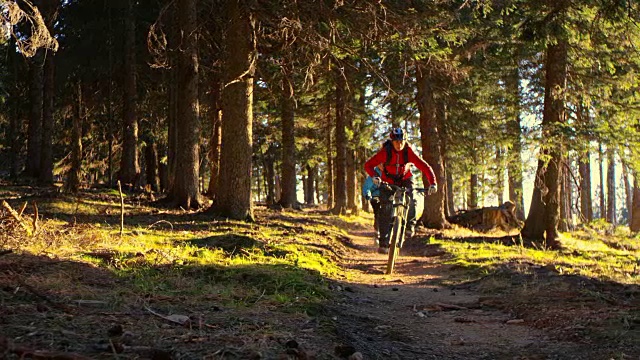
{"points": [[17, 216]]}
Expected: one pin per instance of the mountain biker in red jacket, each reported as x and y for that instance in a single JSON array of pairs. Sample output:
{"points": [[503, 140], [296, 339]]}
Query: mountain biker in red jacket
{"points": [[397, 156]]}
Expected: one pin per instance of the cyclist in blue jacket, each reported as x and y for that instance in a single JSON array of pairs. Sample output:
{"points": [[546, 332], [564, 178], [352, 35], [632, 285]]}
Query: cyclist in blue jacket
{"points": [[371, 193]]}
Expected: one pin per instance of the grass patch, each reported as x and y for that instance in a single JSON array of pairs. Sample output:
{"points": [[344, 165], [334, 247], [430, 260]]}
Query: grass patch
{"points": [[607, 257], [282, 260]]}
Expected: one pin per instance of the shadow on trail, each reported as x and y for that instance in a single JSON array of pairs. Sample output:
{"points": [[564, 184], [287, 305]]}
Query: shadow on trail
{"points": [[561, 316], [67, 307]]}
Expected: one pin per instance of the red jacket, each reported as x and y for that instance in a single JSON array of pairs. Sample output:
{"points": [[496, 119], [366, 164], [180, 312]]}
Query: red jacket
{"points": [[396, 166]]}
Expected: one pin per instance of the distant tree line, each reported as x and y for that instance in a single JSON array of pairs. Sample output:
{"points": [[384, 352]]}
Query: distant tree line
{"points": [[244, 100]]}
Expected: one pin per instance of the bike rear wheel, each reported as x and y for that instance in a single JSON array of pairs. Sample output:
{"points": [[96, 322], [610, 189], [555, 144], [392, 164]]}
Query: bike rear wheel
{"points": [[396, 232]]}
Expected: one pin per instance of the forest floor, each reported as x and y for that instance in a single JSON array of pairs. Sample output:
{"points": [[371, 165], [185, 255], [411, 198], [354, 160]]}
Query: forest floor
{"points": [[298, 285]]}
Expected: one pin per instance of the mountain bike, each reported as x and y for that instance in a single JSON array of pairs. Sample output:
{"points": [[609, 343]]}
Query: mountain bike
{"points": [[401, 202]]}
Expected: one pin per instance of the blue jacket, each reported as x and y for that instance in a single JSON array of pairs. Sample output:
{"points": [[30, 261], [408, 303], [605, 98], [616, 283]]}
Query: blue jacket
{"points": [[369, 190]]}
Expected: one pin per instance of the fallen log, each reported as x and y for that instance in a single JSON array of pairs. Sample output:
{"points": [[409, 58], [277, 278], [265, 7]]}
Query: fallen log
{"points": [[488, 218]]}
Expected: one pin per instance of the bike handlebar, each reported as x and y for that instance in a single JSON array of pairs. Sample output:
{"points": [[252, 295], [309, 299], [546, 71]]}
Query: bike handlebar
{"points": [[401, 188]]}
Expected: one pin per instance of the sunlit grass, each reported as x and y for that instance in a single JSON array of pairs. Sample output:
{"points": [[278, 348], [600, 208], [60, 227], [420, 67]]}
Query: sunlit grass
{"points": [[281, 260], [588, 252]]}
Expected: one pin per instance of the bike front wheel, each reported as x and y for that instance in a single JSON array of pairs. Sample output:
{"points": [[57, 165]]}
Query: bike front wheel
{"points": [[396, 232]]}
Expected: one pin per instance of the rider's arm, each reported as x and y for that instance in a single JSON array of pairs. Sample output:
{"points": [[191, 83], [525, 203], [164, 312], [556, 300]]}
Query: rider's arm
{"points": [[374, 161], [422, 166], [367, 187]]}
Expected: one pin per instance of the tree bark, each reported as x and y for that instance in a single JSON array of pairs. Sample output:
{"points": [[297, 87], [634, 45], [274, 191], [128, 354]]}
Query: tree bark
{"points": [[330, 184], [634, 224], [611, 186], [34, 135], [75, 173], [216, 137], [514, 166], [451, 207], [628, 190], [340, 146], [173, 44], [186, 190], [544, 214], [312, 172], [270, 174], [234, 190], [45, 175], [14, 135], [129, 163], [288, 196], [110, 116], [352, 182], [473, 191], [566, 215], [603, 202], [500, 175], [431, 118], [151, 159], [586, 207]]}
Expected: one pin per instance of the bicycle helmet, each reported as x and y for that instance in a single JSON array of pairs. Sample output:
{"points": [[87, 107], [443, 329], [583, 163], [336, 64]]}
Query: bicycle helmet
{"points": [[397, 134]]}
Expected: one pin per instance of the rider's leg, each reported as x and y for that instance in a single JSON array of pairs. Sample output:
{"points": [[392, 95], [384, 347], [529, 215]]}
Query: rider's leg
{"points": [[385, 219], [375, 205], [411, 215]]}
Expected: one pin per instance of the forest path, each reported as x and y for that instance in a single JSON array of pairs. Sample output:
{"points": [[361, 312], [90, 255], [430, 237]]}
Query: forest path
{"points": [[412, 314]]}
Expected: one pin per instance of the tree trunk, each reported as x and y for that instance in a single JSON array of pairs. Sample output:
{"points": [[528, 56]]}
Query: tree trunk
{"points": [[234, 190], [352, 183], [634, 224], [447, 186], [270, 176], [310, 188], [451, 207], [514, 165], [75, 173], [288, 197], [329, 176], [628, 191], [216, 138], [611, 186], [163, 171], [14, 145], [129, 163], [186, 190], [473, 191], [46, 154], [110, 116], [566, 215], [14, 135], [500, 175], [603, 203], [544, 215], [586, 207], [172, 128], [433, 216], [34, 135], [173, 44], [340, 146], [151, 158]]}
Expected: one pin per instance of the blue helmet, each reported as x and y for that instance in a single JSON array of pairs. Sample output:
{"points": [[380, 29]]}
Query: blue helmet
{"points": [[397, 134]]}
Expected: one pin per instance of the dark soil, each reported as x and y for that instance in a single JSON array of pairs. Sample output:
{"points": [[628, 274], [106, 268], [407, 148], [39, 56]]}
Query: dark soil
{"points": [[423, 311]]}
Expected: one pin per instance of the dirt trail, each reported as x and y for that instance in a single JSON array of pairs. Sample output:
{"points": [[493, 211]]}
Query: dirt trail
{"points": [[410, 315]]}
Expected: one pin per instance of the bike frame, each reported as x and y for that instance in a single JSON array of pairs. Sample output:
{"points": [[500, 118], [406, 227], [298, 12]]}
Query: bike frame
{"points": [[400, 212]]}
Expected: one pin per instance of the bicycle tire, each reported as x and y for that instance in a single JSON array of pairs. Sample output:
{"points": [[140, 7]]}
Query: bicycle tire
{"points": [[393, 244]]}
